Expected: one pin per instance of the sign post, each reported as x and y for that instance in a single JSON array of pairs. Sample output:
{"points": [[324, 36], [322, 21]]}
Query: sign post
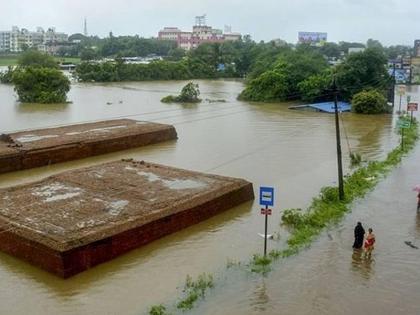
{"points": [[403, 124], [266, 199], [412, 107], [401, 92]]}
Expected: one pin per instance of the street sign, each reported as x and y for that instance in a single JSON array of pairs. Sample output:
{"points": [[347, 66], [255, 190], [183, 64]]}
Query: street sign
{"points": [[412, 107], [403, 124], [266, 211], [401, 89], [266, 196]]}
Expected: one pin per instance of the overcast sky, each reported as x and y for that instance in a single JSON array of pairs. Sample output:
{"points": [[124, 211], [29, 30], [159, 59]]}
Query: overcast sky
{"points": [[390, 21]]}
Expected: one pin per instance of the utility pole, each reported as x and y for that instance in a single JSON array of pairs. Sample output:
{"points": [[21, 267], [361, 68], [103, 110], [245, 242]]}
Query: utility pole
{"points": [[393, 88], [337, 134]]}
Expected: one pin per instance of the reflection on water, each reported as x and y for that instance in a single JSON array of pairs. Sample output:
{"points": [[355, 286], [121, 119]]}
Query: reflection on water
{"points": [[260, 298], [418, 225], [44, 108], [362, 263]]}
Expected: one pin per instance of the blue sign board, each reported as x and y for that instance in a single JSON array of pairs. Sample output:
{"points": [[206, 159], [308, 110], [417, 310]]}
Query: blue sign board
{"points": [[266, 196]]}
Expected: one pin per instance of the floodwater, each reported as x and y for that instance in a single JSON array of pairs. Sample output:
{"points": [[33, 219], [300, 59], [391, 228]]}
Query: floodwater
{"points": [[294, 151]]}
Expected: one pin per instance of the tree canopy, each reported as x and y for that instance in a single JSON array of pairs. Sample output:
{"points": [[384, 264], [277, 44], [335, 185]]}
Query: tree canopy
{"points": [[369, 102], [363, 70], [37, 79], [189, 94], [40, 85], [35, 58]]}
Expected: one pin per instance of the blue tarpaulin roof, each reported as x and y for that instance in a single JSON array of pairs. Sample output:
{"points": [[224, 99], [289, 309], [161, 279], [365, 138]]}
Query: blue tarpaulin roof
{"points": [[327, 107]]}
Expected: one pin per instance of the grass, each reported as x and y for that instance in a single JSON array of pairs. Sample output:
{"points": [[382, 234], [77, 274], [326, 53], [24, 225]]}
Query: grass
{"points": [[8, 60], [158, 310], [327, 208], [195, 290], [12, 60]]}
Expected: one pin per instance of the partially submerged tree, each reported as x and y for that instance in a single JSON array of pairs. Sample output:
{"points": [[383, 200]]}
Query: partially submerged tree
{"points": [[369, 102], [40, 85], [35, 58], [189, 94], [37, 79]]}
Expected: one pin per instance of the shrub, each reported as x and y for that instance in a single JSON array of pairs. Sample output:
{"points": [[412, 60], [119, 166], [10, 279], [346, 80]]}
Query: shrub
{"points": [[189, 94], [369, 102], [40, 85]]}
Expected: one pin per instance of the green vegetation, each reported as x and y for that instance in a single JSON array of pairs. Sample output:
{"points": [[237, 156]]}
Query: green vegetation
{"points": [[34, 58], [280, 82], [37, 79], [194, 290], [8, 60], [327, 208], [6, 76], [120, 71], [363, 71], [12, 60], [40, 85], [355, 159], [304, 74], [189, 94], [158, 310], [369, 102]]}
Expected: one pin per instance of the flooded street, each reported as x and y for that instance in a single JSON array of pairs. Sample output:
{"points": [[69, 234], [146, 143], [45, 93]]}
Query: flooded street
{"points": [[268, 144]]}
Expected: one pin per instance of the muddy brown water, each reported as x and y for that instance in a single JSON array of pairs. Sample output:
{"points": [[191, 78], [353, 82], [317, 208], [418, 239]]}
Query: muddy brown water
{"points": [[266, 144]]}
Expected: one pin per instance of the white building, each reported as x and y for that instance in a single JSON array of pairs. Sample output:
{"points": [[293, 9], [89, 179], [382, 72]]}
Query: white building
{"points": [[18, 39]]}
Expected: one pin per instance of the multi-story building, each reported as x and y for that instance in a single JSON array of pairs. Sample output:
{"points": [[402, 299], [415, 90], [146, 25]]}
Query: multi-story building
{"points": [[17, 39], [201, 33]]}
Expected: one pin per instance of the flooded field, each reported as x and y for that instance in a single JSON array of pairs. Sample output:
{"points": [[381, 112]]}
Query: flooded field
{"points": [[294, 151]]}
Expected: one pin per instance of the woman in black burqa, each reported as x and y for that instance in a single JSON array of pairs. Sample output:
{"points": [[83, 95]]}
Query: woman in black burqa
{"points": [[359, 233]]}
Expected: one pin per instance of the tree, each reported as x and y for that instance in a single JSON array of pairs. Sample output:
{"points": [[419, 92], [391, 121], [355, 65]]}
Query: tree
{"points": [[40, 84], [269, 86], [361, 71], [35, 58], [280, 80], [369, 102], [6, 76], [330, 50], [88, 54], [315, 87], [189, 94], [373, 43], [176, 54]]}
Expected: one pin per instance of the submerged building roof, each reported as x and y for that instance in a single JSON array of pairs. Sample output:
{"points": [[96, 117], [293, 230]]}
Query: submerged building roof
{"points": [[326, 107]]}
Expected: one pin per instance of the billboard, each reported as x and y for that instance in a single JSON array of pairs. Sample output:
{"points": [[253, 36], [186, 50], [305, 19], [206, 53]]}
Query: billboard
{"points": [[401, 75], [312, 38]]}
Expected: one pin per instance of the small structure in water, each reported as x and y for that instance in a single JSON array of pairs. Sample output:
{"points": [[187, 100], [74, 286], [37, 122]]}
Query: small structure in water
{"points": [[72, 221], [325, 107], [40, 147]]}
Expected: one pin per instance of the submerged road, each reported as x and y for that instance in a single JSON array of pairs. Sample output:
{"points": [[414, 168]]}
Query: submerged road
{"points": [[329, 278]]}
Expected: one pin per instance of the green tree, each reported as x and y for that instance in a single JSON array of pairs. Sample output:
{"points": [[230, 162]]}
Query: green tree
{"points": [[269, 86], [330, 50], [40, 85], [361, 71], [316, 87], [35, 58], [189, 94], [369, 102], [6, 76], [373, 43], [88, 54]]}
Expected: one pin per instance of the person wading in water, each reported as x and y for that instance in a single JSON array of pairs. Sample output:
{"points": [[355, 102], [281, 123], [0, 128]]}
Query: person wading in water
{"points": [[369, 242], [359, 234]]}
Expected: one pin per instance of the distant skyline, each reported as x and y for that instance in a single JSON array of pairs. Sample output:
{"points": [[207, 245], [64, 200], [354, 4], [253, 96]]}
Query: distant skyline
{"points": [[390, 21]]}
